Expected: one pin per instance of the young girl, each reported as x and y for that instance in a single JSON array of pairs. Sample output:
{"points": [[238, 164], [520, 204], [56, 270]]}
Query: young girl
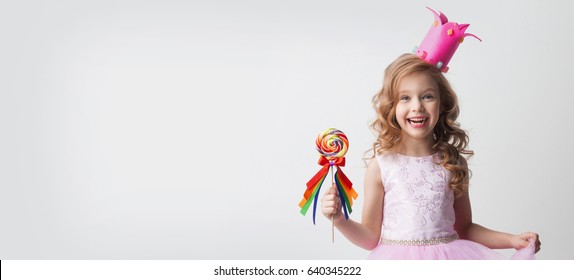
{"points": [[416, 190]]}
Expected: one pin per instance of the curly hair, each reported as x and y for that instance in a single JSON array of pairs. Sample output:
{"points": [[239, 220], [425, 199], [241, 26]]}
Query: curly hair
{"points": [[450, 140]]}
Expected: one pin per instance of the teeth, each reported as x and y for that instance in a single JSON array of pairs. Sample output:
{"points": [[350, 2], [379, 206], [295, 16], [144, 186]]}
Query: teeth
{"points": [[417, 120]]}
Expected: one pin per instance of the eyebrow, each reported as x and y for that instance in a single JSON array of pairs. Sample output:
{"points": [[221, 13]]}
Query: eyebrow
{"points": [[425, 90]]}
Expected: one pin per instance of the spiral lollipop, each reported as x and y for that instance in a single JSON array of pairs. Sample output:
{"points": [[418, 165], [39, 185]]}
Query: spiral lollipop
{"points": [[332, 144]]}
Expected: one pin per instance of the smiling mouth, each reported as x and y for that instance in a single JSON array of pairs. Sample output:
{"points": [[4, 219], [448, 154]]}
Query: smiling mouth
{"points": [[418, 121]]}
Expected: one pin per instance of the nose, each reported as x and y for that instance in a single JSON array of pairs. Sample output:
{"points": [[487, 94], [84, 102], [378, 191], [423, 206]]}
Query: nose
{"points": [[417, 106]]}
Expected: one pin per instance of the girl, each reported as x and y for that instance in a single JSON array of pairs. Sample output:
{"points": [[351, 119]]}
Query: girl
{"points": [[416, 190]]}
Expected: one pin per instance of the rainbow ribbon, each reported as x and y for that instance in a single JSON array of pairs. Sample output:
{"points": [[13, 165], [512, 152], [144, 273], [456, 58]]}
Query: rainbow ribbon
{"points": [[344, 186]]}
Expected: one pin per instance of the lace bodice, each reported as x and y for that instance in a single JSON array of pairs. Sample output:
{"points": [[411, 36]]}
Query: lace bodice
{"points": [[418, 203]]}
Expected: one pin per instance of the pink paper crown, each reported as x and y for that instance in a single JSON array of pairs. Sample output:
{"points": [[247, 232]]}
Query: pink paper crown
{"points": [[441, 41]]}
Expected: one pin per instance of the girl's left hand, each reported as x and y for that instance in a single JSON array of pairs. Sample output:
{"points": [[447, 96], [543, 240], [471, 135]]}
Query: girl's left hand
{"points": [[522, 240]]}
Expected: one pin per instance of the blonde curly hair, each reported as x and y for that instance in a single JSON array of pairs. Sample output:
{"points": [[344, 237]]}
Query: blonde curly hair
{"points": [[450, 140]]}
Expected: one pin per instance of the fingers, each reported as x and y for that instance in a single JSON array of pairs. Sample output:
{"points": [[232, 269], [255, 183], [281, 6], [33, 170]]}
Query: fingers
{"points": [[330, 208], [537, 248], [330, 203], [533, 237], [537, 243], [333, 190], [524, 243]]}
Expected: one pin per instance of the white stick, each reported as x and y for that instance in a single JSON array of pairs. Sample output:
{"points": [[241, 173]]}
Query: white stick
{"points": [[332, 216]]}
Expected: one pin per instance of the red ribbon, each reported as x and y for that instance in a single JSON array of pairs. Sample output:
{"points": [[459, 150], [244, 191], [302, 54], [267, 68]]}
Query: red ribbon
{"points": [[322, 172]]}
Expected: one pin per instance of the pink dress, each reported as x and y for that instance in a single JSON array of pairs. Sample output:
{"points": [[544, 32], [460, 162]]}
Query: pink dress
{"points": [[418, 214]]}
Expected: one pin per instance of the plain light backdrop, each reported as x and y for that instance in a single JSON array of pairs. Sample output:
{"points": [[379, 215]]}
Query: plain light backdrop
{"points": [[185, 129]]}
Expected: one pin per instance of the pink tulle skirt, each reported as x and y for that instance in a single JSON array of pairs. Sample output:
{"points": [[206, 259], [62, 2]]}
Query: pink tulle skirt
{"points": [[456, 250]]}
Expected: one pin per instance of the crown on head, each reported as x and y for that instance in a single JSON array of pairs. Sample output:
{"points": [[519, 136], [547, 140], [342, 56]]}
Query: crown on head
{"points": [[441, 41]]}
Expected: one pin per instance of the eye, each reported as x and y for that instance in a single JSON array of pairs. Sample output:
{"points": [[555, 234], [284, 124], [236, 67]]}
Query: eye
{"points": [[404, 98], [428, 97]]}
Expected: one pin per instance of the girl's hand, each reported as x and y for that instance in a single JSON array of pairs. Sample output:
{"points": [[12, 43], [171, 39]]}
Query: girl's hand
{"points": [[522, 240], [331, 204]]}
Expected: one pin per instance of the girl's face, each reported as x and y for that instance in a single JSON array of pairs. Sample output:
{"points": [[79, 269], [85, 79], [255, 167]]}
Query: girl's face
{"points": [[418, 106]]}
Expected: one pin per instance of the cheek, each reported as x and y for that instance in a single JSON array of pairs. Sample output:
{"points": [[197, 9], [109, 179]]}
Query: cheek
{"points": [[397, 115], [434, 108], [400, 111]]}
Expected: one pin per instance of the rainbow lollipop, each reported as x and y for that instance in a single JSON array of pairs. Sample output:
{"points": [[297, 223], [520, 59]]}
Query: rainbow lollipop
{"points": [[332, 144]]}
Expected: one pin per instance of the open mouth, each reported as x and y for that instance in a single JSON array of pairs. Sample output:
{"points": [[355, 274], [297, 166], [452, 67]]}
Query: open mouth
{"points": [[418, 121]]}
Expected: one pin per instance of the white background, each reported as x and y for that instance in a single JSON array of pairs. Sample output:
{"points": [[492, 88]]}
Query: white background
{"points": [[185, 129]]}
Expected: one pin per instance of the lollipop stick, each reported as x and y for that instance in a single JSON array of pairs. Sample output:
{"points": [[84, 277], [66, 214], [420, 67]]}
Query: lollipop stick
{"points": [[332, 216], [333, 228]]}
